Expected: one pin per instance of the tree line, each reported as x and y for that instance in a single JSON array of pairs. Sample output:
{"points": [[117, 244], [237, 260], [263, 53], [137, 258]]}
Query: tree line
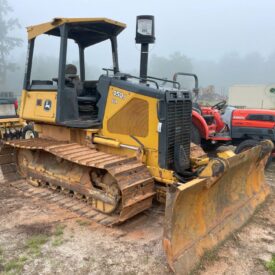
{"points": [[230, 69]]}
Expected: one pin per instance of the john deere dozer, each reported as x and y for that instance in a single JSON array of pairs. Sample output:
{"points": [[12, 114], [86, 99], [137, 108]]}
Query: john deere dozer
{"points": [[120, 141]]}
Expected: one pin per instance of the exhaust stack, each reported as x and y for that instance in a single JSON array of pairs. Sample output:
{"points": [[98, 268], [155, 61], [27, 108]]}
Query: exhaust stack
{"points": [[145, 35]]}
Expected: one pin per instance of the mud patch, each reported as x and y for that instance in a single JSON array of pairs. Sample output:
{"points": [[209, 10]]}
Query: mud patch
{"points": [[10, 200], [35, 229]]}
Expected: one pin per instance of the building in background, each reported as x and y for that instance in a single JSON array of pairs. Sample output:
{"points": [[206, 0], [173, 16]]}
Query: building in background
{"points": [[252, 96]]}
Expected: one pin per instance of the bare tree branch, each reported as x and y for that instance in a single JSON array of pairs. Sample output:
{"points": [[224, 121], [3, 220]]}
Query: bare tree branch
{"points": [[7, 43]]}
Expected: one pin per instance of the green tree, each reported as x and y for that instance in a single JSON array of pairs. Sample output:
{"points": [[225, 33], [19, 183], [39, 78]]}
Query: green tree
{"points": [[7, 41]]}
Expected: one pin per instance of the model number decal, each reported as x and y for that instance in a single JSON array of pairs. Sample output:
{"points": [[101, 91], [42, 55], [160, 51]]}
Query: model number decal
{"points": [[118, 94]]}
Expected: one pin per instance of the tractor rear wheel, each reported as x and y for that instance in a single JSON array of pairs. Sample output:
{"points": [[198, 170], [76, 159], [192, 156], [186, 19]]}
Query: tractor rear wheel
{"points": [[247, 144], [195, 135]]}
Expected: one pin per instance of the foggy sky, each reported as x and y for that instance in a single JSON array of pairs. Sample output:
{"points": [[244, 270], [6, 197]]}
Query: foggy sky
{"points": [[200, 29]]}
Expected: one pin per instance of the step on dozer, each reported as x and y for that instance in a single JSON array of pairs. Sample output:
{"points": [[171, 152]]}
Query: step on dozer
{"points": [[116, 143]]}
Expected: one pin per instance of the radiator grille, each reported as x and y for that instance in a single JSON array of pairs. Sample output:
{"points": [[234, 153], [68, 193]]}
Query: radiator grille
{"points": [[178, 131]]}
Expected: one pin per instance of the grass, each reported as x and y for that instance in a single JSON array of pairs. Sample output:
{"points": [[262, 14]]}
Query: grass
{"points": [[13, 266], [208, 256], [33, 247], [58, 235], [271, 265], [1, 254], [1, 258], [59, 230], [146, 260], [57, 242], [35, 243], [16, 265], [83, 222]]}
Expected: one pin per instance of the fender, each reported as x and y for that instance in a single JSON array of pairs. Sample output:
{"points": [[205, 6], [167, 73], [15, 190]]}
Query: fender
{"points": [[220, 125], [200, 123]]}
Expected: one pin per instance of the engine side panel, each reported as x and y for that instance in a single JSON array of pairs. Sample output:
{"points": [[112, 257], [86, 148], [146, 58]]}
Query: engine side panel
{"points": [[39, 106], [131, 114]]}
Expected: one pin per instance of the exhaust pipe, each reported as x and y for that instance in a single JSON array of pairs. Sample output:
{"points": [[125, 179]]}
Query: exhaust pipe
{"points": [[143, 62], [145, 35]]}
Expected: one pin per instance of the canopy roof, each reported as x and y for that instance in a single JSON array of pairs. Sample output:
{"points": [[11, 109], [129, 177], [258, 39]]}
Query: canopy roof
{"points": [[85, 31]]}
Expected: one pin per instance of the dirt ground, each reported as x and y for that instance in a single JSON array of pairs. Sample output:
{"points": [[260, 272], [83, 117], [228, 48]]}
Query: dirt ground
{"points": [[40, 238]]}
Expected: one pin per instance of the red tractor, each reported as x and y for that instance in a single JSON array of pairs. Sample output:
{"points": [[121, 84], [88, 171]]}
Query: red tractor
{"points": [[225, 125]]}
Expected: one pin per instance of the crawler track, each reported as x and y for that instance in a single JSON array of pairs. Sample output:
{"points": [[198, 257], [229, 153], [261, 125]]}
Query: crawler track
{"points": [[70, 203], [132, 177]]}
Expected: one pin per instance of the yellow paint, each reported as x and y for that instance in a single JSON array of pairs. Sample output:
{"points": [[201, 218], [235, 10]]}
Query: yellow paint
{"points": [[196, 162], [11, 120], [36, 30], [30, 110], [198, 218], [162, 175], [22, 102], [12, 124], [116, 100], [103, 138], [226, 154], [116, 151], [107, 142]]}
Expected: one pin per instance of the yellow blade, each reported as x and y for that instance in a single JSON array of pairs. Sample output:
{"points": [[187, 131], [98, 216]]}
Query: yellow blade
{"points": [[203, 212]]}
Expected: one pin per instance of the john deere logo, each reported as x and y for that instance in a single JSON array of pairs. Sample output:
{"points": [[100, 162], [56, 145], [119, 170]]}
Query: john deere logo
{"points": [[47, 105], [272, 90]]}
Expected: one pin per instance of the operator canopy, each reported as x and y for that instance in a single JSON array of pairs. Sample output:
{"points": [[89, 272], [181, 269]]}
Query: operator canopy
{"points": [[84, 31]]}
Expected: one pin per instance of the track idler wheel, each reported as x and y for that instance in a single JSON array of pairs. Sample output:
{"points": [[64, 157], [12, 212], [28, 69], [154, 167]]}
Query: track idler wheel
{"points": [[105, 192]]}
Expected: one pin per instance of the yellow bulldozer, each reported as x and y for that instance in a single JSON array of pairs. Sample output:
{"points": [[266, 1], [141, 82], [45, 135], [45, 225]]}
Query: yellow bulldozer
{"points": [[11, 126], [120, 141]]}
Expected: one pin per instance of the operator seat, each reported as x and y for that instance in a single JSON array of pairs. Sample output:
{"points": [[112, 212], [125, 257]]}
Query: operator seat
{"points": [[73, 79], [86, 101]]}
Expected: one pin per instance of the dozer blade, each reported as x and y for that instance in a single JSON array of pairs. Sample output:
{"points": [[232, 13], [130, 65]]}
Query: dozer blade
{"points": [[203, 212]]}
